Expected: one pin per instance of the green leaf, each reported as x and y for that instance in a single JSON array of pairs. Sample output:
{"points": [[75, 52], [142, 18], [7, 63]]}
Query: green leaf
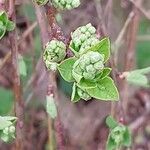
{"points": [[103, 47], [65, 69], [73, 49], [22, 66], [137, 79], [86, 84], [3, 23], [106, 72], [51, 107], [10, 26], [127, 140], [76, 76], [3, 18], [105, 90], [74, 97], [111, 145], [4, 123], [111, 122], [142, 71], [10, 118], [2, 31]]}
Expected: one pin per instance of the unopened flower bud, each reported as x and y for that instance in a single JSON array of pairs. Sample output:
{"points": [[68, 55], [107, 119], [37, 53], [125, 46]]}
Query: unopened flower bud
{"points": [[55, 51], [83, 94], [65, 4]]}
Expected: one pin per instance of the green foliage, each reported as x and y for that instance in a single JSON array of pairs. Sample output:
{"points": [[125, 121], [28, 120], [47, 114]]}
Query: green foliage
{"points": [[105, 90], [138, 77], [143, 46], [65, 4], [103, 47], [119, 135], [7, 128], [51, 106], [65, 69], [5, 24], [22, 66], [6, 101], [86, 69]]}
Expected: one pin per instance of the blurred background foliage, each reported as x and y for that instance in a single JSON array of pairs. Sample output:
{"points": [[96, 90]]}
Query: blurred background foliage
{"points": [[64, 19], [142, 56]]}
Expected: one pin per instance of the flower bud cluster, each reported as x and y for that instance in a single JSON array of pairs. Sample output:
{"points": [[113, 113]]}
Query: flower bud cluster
{"points": [[88, 65], [55, 51], [82, 34], [65, 4]]}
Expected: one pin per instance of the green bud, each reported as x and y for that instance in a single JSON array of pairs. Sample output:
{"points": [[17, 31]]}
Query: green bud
{"points": [[88, 65], [6, 131], [65, 4], [41, 2], [55, 51], [99, 65], [83, 94], [82, 34], [117, 133], [88, 75], [12, 129], [90, 69], [88, 44]]}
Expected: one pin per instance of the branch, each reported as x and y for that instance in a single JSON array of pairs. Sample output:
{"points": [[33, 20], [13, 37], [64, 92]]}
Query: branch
{"points": [[52, 85], [16, 81]]}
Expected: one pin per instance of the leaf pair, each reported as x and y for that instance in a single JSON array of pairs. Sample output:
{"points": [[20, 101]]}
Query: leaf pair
{"points": [[119, 135], [5, 24]]}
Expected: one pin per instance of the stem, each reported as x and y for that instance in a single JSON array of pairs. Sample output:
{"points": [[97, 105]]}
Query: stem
{"points": [[52, 85], [16, 81]]}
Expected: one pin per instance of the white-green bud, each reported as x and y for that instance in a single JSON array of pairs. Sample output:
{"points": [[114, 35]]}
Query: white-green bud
{"points": [[83, 94], [117, 133], [55, 52], [65, 4], [88, 44], [6, 131], [82, 34], [12, 129]]}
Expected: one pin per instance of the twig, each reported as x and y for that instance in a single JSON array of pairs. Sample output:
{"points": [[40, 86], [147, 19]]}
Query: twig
{"points": [[119, 39], [101, 26], [58, 34], [141, 9], [24, 35], [27, 32], [16, 81], [130, 53]]}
